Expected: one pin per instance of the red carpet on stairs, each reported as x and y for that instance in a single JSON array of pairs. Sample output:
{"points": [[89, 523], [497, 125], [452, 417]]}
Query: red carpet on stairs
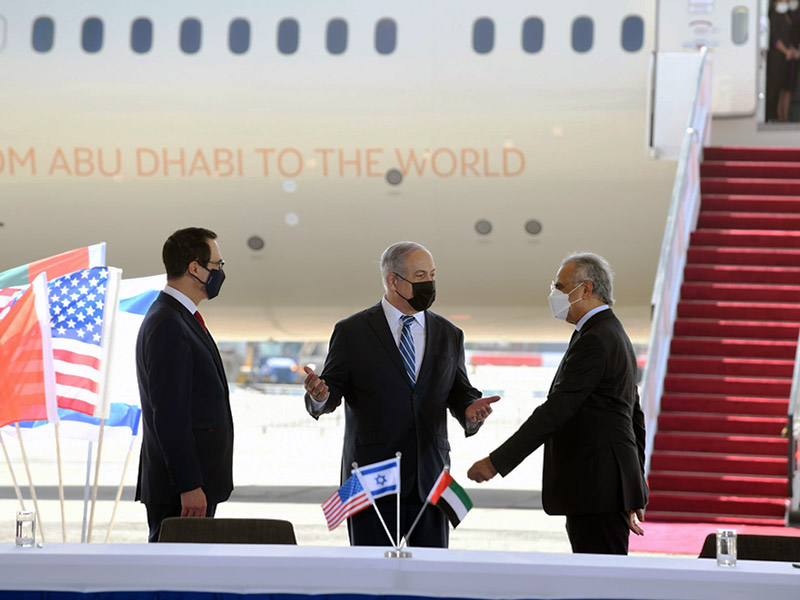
{"points": [[721, 448]]}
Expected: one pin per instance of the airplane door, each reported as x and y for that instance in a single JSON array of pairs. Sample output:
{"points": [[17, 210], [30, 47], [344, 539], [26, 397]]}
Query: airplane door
{"points": [[729, 29]]}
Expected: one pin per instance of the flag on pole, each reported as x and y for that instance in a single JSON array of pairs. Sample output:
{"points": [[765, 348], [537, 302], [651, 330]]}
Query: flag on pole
{"points": [[450, 498], [82, 306], [55, 266], [381, 478], [122, 423], [27, 381], [7, 298], [344, 502]]}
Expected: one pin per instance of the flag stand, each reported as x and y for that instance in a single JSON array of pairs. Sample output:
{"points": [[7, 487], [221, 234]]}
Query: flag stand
{"points": [[119, 489], [86, 494], [364, 486], [13, 477], [398, 551], [30, 480], [96, 478], [60, 485]]}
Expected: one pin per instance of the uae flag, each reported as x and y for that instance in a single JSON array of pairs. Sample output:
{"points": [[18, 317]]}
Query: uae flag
{"points": [[55, 266], [451, 498]]}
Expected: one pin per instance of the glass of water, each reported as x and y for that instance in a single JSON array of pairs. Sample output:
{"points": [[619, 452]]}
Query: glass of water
{"points": [[26, 529], [726, 547]]}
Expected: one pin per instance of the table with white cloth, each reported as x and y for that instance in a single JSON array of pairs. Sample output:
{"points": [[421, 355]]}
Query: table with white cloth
{"points": [[205, 571]]}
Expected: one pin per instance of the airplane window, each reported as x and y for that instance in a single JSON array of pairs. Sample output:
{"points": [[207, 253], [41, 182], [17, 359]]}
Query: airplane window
{"points": [[191, 35], [43, 33], [739, 19], [288, 36], [2, 33], [385, 36], [337, 36], [141, 35], [582, 34], [483, 35], [239, 36], [632, 33], [532, 35], [92, 35]]}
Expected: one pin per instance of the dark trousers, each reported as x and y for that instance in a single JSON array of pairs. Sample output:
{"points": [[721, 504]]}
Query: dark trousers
{"points": [[605, 533], [432, 531], [156, 513]]}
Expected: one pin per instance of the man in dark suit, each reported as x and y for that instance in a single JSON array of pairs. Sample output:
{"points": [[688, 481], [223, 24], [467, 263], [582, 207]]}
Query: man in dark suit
{"points": [[591, 423], [185, 467], [399, 367]]}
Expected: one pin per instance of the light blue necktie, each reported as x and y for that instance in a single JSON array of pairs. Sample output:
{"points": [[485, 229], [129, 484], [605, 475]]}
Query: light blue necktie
{"points": [[407, 348]]}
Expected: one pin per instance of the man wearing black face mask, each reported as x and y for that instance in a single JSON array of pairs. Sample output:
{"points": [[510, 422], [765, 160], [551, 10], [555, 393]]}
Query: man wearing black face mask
{"points": [[399, 368], [185, 467]]}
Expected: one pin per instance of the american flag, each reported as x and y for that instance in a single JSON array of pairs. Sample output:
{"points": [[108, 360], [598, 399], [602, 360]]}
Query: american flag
{"points": [[344, 502], [79, 304]]}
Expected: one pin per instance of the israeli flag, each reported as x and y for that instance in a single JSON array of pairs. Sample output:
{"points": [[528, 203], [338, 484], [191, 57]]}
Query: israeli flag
{"points": [[381, 479]]}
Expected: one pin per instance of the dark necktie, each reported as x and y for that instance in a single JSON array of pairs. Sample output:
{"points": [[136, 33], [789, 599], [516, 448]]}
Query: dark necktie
{"points": [[200, 320], [407, 348]]}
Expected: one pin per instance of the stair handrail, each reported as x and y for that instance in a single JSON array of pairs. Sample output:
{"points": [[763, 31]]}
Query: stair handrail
{"points": [[681, 222], [794, 440]]}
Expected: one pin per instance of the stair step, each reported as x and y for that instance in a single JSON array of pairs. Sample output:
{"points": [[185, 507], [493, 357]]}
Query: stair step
{"points": [[723, 328], [721, 444], [742, 274], [777, 387], [742, 292], [746, 348], [705, 462], [683, 502], [753, 238], [760, 186], [740, 485], [670, 517], [748, 220], [686, 422], [750, 169], [729, 405], [733, 366], [751, 153], [749, 203], [750, 311]]}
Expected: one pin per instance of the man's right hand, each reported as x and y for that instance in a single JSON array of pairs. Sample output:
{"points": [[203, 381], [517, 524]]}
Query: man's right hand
{"points": [[315, 386], [193, 503]]}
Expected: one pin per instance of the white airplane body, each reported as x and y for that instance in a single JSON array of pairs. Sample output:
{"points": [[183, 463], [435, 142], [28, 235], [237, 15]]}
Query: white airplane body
{"points": [[298, 148]]}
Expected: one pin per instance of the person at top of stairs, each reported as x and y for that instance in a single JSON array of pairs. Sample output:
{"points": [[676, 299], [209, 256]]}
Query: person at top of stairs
{"points": [[591, 423]]}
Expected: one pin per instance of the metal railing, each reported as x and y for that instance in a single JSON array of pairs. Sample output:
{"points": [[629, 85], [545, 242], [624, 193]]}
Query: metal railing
{"points": [[794, 440], [681, 222]]}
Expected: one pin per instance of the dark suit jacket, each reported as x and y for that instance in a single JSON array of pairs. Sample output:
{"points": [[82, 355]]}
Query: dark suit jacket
{"points": [[383, 412], [591, 424], [187, 439]]}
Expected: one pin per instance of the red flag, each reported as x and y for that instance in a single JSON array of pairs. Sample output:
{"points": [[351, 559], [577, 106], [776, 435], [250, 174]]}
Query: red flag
{"points": [[27, 381]]}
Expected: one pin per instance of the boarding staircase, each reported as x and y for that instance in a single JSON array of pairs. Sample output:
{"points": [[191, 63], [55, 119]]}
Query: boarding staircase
{"points": [[722, 448]]}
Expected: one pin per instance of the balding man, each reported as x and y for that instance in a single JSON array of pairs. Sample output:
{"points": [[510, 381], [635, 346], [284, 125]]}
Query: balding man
{"points": [[399, 368], [591, 423]]}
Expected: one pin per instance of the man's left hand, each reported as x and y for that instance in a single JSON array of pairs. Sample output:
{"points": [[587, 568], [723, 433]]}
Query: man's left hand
{"points": [[481, 471], [632, 524], [478, 411]]}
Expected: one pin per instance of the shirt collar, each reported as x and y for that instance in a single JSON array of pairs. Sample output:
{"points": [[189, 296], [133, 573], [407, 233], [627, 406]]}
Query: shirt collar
{"points": [[589, 315], [393, 315], [182, 298]]}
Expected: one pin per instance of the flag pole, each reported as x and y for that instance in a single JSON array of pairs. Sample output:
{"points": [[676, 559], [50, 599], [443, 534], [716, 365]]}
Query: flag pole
{"points": [[13, 477], [424, 506], [96, 478], [60, 486], [86, 493], [399, 478], [119, 489], [357, 473], [30, 480]]}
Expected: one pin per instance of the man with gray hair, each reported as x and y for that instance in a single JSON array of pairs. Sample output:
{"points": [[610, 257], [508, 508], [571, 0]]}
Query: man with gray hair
{"points": [[591, 424], [399, 368]]}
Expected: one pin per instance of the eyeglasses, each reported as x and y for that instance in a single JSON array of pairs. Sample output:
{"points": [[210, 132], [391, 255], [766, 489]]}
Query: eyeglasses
{"points": [[555, 285], [220, 263]]}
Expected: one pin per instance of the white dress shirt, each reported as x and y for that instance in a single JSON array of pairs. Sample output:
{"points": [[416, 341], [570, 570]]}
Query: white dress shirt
{"points": [[182, 298], [589, 315]]}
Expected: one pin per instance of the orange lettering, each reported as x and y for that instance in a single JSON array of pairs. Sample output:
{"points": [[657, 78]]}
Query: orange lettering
{"points": [[299, 157], [486, 170], [83, 158], [412, 160], [59, 162], [118, 155], [265, 152], [29, 155], [199, 163], [438, 152], [356, 163], [469, 163], [324, 152], [373, 161], [506, 171], [140, 152], [174, 161], [227, 162]]}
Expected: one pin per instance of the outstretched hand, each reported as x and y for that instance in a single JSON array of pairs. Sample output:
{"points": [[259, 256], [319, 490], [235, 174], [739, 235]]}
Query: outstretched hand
{"points": [[481, 471], [316, 387], [478, 411]]}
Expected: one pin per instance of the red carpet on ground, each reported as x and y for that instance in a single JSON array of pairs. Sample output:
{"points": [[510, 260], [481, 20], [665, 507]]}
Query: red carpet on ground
{"points": [[688, 538]]}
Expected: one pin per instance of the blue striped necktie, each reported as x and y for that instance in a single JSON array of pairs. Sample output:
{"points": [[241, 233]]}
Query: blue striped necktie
{"points": [[407, 348]]}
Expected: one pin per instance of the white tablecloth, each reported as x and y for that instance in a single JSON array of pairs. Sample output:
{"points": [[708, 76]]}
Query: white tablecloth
{"points": [[247, 569]]}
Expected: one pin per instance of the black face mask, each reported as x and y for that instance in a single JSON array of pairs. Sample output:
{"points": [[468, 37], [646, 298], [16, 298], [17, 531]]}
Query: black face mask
{"points": [[424, 293], [213, 283]]}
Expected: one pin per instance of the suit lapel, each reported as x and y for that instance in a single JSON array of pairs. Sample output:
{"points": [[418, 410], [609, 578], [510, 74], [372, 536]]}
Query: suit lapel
{"points": [[431, 333], [377, 322]]}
